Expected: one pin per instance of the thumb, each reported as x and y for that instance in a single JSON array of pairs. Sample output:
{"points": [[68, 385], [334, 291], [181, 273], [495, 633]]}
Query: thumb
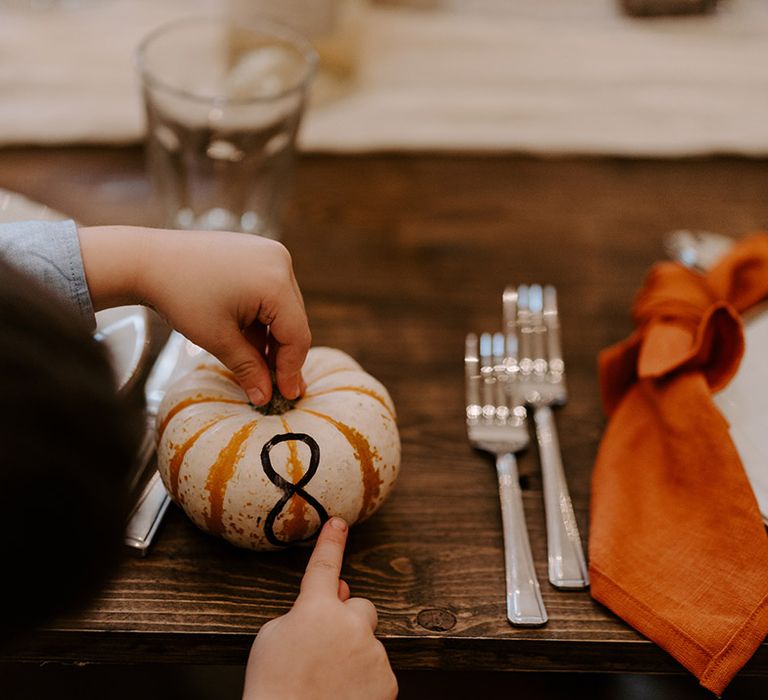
{"points": [[248, 365]]}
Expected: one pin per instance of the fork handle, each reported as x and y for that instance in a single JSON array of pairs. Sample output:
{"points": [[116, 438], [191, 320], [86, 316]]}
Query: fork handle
{"points": [[567, 566], [524, 604]]}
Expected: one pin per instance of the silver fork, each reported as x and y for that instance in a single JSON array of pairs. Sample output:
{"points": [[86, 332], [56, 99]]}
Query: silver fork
{"points": [[497, 424], [538, 371]]}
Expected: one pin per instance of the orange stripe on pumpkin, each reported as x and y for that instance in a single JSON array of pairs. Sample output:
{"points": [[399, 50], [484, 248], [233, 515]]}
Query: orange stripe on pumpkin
{"points": [[295, 527], [364, 454], [192, 401], [174, 465], [219, 475], [359, 390], [223, 371], [336, 370]]}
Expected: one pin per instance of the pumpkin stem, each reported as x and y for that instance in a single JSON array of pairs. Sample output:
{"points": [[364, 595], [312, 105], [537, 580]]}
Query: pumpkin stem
{"points": [[278, 404]]}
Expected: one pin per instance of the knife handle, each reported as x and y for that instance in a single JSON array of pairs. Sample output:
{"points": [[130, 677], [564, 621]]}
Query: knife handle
{"points": [[147, 516], [140, 471], [153, 499]]}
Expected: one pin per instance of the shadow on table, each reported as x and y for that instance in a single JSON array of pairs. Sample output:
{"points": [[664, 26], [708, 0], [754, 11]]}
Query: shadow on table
{"points": [[32, 682]]}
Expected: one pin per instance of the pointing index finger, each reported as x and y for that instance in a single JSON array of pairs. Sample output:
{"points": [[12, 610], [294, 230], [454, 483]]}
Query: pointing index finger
{"points": [[324, 568]]}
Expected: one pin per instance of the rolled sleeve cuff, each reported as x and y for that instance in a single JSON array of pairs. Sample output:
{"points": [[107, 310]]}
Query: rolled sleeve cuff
{"points": [[49, 251]]}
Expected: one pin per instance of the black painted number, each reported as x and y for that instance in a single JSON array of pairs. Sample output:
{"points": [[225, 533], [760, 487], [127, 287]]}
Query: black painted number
{"points": [[290, 489]]}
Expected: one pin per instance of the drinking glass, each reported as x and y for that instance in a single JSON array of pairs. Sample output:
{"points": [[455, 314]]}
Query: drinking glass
{"points": [[223, 104]]}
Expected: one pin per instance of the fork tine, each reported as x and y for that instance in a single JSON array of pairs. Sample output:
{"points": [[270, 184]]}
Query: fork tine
{"points": [[552, 323], [472, 376], [487, 374], [486, 347], [509, 307], [498, 351], [524, 329], [500, 373], [536, 306], [471, 360]]}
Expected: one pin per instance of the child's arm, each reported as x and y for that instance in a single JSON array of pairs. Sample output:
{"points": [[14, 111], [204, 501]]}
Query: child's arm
{"points": [[219, 289], [324, 647], [222, 290]]}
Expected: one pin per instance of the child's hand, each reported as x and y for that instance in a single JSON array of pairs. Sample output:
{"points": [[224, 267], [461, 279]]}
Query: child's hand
{"points": [[324, 647], [221, 290]]}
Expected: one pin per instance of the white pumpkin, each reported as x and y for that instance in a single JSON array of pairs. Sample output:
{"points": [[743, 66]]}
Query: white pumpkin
{"points": [[268, 481]]}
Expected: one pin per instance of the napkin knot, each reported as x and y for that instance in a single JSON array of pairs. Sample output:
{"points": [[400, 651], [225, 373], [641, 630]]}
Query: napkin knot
{"points": [[682, 324]]}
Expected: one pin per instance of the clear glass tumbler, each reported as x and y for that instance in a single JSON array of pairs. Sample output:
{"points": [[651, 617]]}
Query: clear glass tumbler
{"points": [[223, 104]]}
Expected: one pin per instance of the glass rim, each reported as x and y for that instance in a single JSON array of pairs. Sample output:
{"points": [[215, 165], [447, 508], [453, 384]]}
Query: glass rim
{"points": [[264, 25]]}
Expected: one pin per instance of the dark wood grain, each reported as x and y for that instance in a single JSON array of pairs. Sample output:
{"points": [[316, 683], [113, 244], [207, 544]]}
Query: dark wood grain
{"points": [[398, 257]]}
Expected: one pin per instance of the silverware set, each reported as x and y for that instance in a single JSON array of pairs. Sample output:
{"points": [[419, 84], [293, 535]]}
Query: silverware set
{"points": [[148, 511], [509, 374]]}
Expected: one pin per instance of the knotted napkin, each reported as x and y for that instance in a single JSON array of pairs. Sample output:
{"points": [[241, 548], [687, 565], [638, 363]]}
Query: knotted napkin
{"points": [[678, 548]]}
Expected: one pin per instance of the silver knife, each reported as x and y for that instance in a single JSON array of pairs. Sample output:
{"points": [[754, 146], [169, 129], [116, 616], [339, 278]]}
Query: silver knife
{"points": [[699, 250], [147, 514]]}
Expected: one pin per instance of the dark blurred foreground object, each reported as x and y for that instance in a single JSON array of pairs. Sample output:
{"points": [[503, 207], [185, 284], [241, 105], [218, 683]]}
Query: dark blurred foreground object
{"points": [[655, 8], [68, 441]]}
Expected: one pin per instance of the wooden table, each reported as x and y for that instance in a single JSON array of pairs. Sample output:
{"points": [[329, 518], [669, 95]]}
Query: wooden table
{"points": [[398, 257]]}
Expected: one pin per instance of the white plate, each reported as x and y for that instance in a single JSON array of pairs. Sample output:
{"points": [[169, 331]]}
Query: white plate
{"points": [[744, 403], [123, 330]]}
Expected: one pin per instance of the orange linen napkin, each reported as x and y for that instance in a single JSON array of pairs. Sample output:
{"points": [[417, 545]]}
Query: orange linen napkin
{"points": [[677, 545]]}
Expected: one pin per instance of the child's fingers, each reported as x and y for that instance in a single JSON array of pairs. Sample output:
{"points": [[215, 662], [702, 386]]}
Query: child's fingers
{"points": [[322, 575], [365, 609], [248, 365], [344, 592], [290, 330]]}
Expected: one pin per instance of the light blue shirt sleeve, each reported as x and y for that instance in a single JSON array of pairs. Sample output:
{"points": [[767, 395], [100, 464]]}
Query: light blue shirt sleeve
{"points": [[49, 251]]}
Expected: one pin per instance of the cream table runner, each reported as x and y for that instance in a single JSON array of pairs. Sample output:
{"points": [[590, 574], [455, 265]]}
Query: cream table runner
{"points": [[552, 76]]}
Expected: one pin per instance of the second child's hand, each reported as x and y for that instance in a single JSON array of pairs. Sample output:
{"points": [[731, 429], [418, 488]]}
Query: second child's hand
{"points": [[324, 647]]}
